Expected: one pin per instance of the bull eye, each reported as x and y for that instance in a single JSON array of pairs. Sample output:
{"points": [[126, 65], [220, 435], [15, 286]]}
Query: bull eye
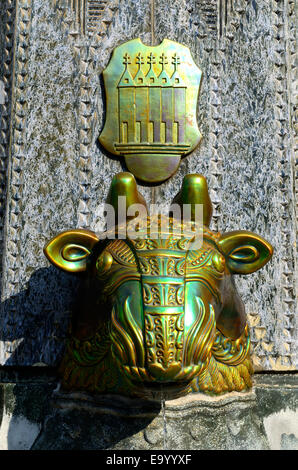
{"points": [[245, 254], [73, 252], [104, 262], [218, 262]]}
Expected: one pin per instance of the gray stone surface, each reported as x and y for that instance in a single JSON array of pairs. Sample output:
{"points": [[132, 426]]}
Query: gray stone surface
{"points": [[34, 414], [24, 404], [195, 422], [277, 398], [7, 20]]}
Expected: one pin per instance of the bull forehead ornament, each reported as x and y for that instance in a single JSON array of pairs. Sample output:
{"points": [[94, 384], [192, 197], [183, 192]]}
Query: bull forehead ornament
{"points": [[160, 314]]}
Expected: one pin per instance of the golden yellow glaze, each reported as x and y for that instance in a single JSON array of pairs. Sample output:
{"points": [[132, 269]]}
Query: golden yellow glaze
{"points": [[165, 315], [70, 249]]}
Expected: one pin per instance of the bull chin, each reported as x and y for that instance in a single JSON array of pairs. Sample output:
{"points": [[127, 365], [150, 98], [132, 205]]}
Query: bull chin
{"points": [[155, 374]]}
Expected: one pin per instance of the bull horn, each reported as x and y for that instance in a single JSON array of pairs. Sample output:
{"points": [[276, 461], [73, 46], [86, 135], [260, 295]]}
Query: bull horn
{"points": [[124, 184], [194, 190]]}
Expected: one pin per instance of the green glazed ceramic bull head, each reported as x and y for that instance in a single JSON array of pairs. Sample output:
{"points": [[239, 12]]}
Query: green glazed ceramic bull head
{"points": [[165, 313]]}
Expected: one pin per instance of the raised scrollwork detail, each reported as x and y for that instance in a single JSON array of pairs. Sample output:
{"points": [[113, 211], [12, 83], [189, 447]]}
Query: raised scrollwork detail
{"points": [[229, 351]]}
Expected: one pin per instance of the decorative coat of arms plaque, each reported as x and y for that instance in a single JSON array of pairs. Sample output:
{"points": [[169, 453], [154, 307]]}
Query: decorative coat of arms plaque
{"points": [[151, 99]]}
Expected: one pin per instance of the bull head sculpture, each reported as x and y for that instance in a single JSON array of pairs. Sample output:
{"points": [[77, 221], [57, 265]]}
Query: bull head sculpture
{"points": [[165, 316]]}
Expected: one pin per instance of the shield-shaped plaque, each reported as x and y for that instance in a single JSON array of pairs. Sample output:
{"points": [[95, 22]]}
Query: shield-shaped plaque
{"points": [[151, 98]]}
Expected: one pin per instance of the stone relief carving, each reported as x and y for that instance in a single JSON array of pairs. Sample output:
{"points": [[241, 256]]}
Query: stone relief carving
{"points": [[88, 17], [7, 22], [272, 332], [221, 17]]}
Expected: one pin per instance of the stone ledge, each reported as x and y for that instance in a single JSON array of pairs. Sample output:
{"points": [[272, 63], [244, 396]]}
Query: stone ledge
{"points": [[261, 419], [118, 405], [271, 380]]}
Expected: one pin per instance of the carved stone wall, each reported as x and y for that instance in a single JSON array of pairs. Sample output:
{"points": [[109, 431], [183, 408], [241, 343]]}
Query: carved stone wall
{"points": [[56, 174], [7, 17]]}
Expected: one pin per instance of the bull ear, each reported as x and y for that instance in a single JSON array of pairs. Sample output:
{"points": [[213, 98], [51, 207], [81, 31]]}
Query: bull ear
{"points": [[69, 250], [245, 252]]}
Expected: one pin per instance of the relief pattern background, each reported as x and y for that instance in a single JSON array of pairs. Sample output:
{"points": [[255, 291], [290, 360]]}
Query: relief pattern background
{"points": [[54, 174]]}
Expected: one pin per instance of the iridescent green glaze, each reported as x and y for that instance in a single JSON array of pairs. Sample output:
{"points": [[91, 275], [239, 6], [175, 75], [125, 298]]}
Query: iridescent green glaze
{"points": [[124, 185], [151, 99], [194, 191], [165, 313]]}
